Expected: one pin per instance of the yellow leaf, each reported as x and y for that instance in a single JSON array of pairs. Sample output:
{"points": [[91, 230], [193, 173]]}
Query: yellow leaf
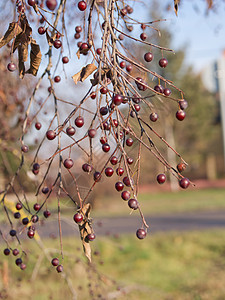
{"points": [[13, 30], [84, 73]]}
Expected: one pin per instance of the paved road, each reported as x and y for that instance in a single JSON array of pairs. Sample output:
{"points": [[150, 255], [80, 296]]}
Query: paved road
{"points": [[129, 224]]}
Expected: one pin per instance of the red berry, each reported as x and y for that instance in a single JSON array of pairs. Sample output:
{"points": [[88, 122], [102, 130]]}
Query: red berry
{"points": [[92, 132], [129, 142], [129, 9], [123, 11], [114, 160], [41, 30], [119, 186], [141, 233], [70, 130], [93, 95], [127, 181], [91, 236], [109, 171], [117, 99], [163, 62], [180, 115], [15, 252], [36, 206], [119, 171], [106, 147], [59, 268], [24, 148], [159, 89], [78, 29], [143, 36], [57, 78], [6, 251], [51, 4], [11, 67], [23, 266], [183, 104], [65, 59], [18, 261], [19, 206], [47, 213], [103, 140], [103, 90], [30, 233], [68, 163], [79, 121], [57, 44], [104, 110], [153, 117], [161, 178], [31, 2], [122, 64], [184, 183], [87, 168], [78, 218], [99, 51], [129, 68], [143, 26], [181, 167], [55, 262], [167, 92], [82, 5], [132, 203], [125, 195], [130, 160], [38, 125], [50, 134], [148, 56], [97, 176]]}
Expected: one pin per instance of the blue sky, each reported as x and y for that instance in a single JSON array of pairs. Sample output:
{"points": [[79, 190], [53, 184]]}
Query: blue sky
{"points": [[203, 34]]}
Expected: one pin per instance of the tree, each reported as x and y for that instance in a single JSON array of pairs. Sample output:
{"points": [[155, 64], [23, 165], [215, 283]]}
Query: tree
{"points": [[100, 117]]}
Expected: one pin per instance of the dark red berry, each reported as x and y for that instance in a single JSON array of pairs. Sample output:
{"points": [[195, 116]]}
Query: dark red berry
{"points": [[181, 167], [78, 218], [105, 147], [143, 36], [130, 160], [70, 130], [167, 92], [24, 148], [34, 218], [68, 163], [30, 233], [51, 4], [78, 29], [50, 134], [143, 26], [36, 166], [109, 171], [23, 266], [161, 178], [57, 44], [97, 176], [57, 78], [121, 37], [114, 160], [184, 183], [77, 36], [90, 236], [92, 132], [65, 59], [153, 117], [122, 64], [36, 206], [125, 195], [47, 213], [129, 68], [79, 121], [93, 95], [6, 251], [99, 51], [129, 9], [106, 126], [119, 171], [87, 168], [84, 47], [132, 203], [123, 11], [15, 252], [38, 125], [115, 123], [82, 5], [129, 142], [31, 2], [163, 62], [104, 110], [19, 206], [180, 115], [59, 268], [141, 233], [103, 90], [103, 140], [127, 181], [41, 30], [159, 89], [11, 67], [117, 99], [119, 186], [55, 262], [183, 104], [148, 56], [17, 215]]}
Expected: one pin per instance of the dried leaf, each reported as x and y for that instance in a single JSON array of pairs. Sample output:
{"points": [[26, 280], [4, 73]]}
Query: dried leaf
{"points": [[35, 58], [78, 53], [21, 61], [85, 229], [210, 3], [176, 4], [14, 29], [84, 73]]}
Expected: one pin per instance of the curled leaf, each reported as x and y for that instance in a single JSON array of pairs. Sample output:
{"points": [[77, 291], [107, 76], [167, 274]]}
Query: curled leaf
{"points": [[84, 73], [85, 229], [13, 30], [176, 4], [35, 58], [21, 61]]}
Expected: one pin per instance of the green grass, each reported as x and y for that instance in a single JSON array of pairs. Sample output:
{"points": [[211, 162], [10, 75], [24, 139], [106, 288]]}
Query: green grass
{"points": [[181, 266], [166, 202]]}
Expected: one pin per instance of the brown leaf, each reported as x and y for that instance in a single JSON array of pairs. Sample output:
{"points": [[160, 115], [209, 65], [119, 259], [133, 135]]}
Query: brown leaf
{"points": [[84, 73], [210, 3], [78, 53], [176, 4], [35, 58], [14, 29], [85, 229], [21, 61]]}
